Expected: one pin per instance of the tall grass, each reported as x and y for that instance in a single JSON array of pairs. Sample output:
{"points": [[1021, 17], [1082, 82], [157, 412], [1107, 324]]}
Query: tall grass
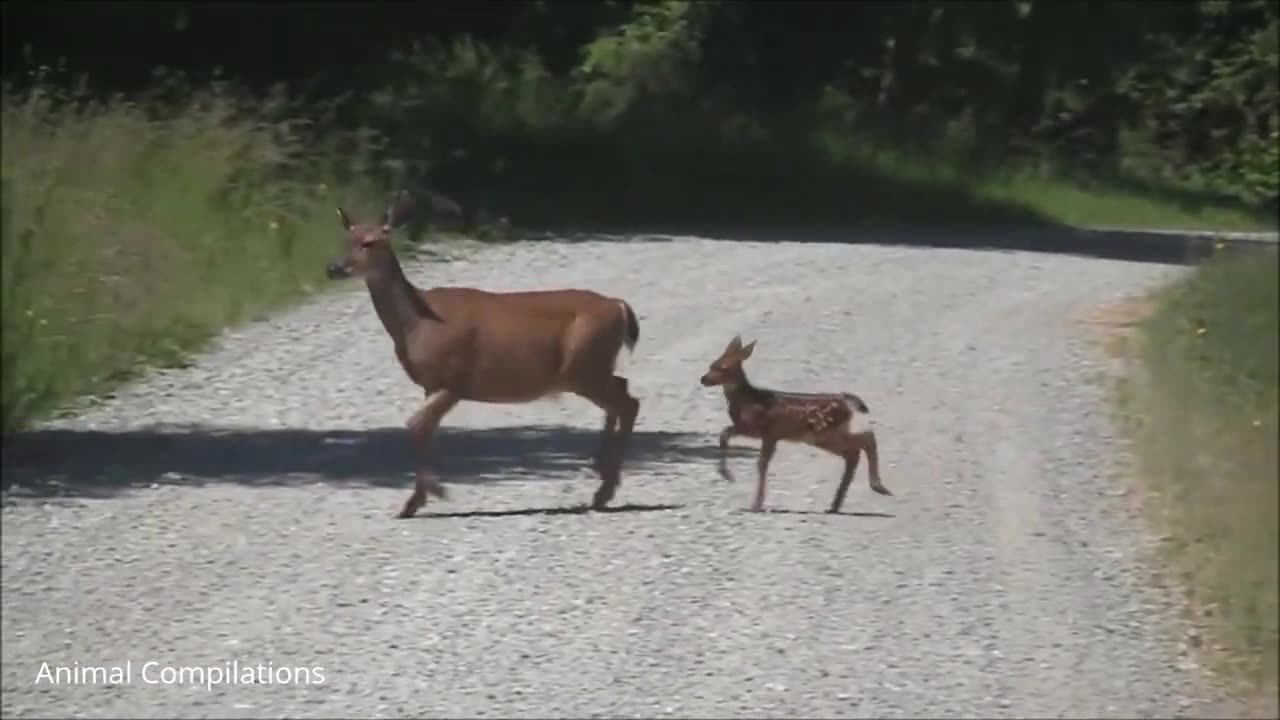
{"points": [[134, 230], [1204, 415]]}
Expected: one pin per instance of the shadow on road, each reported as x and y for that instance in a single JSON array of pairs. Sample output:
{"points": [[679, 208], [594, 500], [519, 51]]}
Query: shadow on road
{"points": [[67, 463], [574, 510], [1165, 248]]}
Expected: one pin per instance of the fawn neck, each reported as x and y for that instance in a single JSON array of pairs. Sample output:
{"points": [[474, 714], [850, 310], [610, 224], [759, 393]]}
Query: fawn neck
{"points": [[738, 387], [396, 300]]}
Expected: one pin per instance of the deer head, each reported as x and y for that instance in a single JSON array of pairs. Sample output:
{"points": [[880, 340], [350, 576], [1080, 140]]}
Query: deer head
{"points": [[727, 369], [367, 247]]}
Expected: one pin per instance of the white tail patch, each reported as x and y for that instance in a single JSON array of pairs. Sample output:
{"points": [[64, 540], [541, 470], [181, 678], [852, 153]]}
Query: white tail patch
{"points": [[860, 422], [620, 360]]}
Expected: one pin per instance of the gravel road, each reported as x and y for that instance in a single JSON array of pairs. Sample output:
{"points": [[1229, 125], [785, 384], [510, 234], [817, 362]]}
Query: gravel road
{"points": [[241, 510]]}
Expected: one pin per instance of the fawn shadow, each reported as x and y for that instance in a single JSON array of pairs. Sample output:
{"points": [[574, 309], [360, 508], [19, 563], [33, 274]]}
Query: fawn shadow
{"points": [[820, 513], [77, 463]]}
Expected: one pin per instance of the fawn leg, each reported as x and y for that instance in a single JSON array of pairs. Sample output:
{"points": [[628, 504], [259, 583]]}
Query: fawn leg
{"points": [[762, 465], [725, 435], [421, 426], [613, 397], [849, 446], [850, 467], [867, 438]]}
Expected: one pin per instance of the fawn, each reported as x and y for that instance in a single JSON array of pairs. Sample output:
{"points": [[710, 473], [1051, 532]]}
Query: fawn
{"points": [[821, 420]]}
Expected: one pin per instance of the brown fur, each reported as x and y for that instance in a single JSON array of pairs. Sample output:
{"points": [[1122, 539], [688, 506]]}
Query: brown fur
{"points": [[817, 419], [460, 343]]}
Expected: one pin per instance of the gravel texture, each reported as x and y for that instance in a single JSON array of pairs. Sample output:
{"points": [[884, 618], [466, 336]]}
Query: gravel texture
{"points": [[244, 512]]}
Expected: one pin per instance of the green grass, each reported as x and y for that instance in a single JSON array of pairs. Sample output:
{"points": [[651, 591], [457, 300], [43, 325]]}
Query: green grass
{"points": [[134, 231], [1203, 413], [1050, 195], [1110, 206]]}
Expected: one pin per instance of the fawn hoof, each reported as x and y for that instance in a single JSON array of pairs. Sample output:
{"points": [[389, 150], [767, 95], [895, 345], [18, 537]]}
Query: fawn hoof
{"points": [[881, 489], [406, 513]]}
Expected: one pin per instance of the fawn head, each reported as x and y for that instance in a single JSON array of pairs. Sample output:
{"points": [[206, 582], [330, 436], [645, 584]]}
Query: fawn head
{"points": [[727, 369], [366, 248]]}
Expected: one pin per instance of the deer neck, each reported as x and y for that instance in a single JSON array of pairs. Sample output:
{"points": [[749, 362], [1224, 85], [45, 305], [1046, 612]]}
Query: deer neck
{"points": [[738, 389], [399, 305]]}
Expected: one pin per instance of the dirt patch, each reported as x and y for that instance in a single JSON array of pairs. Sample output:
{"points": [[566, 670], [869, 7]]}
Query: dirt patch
{"points": [[1114, 325]]}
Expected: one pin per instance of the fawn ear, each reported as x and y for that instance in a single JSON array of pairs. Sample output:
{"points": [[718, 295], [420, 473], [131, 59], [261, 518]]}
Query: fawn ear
{"points": [[346, 221], [745, 352], [734, 345], [397, 210]]}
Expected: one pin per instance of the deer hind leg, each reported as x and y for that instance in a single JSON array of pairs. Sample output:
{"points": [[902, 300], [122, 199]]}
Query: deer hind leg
{"points": [[850, 467], [621, 409], [422, 425], [610, 426], [849, 446], [767, 448], [867, 439]]}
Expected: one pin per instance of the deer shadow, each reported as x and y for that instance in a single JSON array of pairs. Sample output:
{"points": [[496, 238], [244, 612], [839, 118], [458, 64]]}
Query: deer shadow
{"points": [[99, 464]]}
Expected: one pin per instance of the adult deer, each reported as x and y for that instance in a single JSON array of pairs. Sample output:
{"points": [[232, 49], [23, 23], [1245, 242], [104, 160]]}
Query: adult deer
{"points": [[461, 343], [821, 420]]}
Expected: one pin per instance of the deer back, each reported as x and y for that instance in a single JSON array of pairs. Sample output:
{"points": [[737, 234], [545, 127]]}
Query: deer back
{"points": [[505, 347]]}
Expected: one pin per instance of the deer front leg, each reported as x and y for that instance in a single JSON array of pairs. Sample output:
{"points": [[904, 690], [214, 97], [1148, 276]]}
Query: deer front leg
{"points": [[422, 425], [762, 465], [725, 435]]}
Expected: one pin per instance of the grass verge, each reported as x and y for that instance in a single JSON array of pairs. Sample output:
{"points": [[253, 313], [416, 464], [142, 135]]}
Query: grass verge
{"points": [[1201, 408], [134, 231]]}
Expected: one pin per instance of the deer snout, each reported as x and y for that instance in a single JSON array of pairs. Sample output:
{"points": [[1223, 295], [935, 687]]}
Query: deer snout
{"points": [[708, 381], [335, 271]]}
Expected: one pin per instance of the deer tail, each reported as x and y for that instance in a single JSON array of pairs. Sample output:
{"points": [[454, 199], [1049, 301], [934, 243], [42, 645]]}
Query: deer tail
{"points": [[633, 325]]}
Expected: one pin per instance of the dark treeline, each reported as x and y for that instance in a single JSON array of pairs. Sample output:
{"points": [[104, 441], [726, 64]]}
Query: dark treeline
{"points": [[1171, 93]]}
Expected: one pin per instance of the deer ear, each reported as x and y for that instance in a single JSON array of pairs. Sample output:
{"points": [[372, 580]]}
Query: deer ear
{"points": [[734, 344], [745, 352], [346, 221], [397, 210]]}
